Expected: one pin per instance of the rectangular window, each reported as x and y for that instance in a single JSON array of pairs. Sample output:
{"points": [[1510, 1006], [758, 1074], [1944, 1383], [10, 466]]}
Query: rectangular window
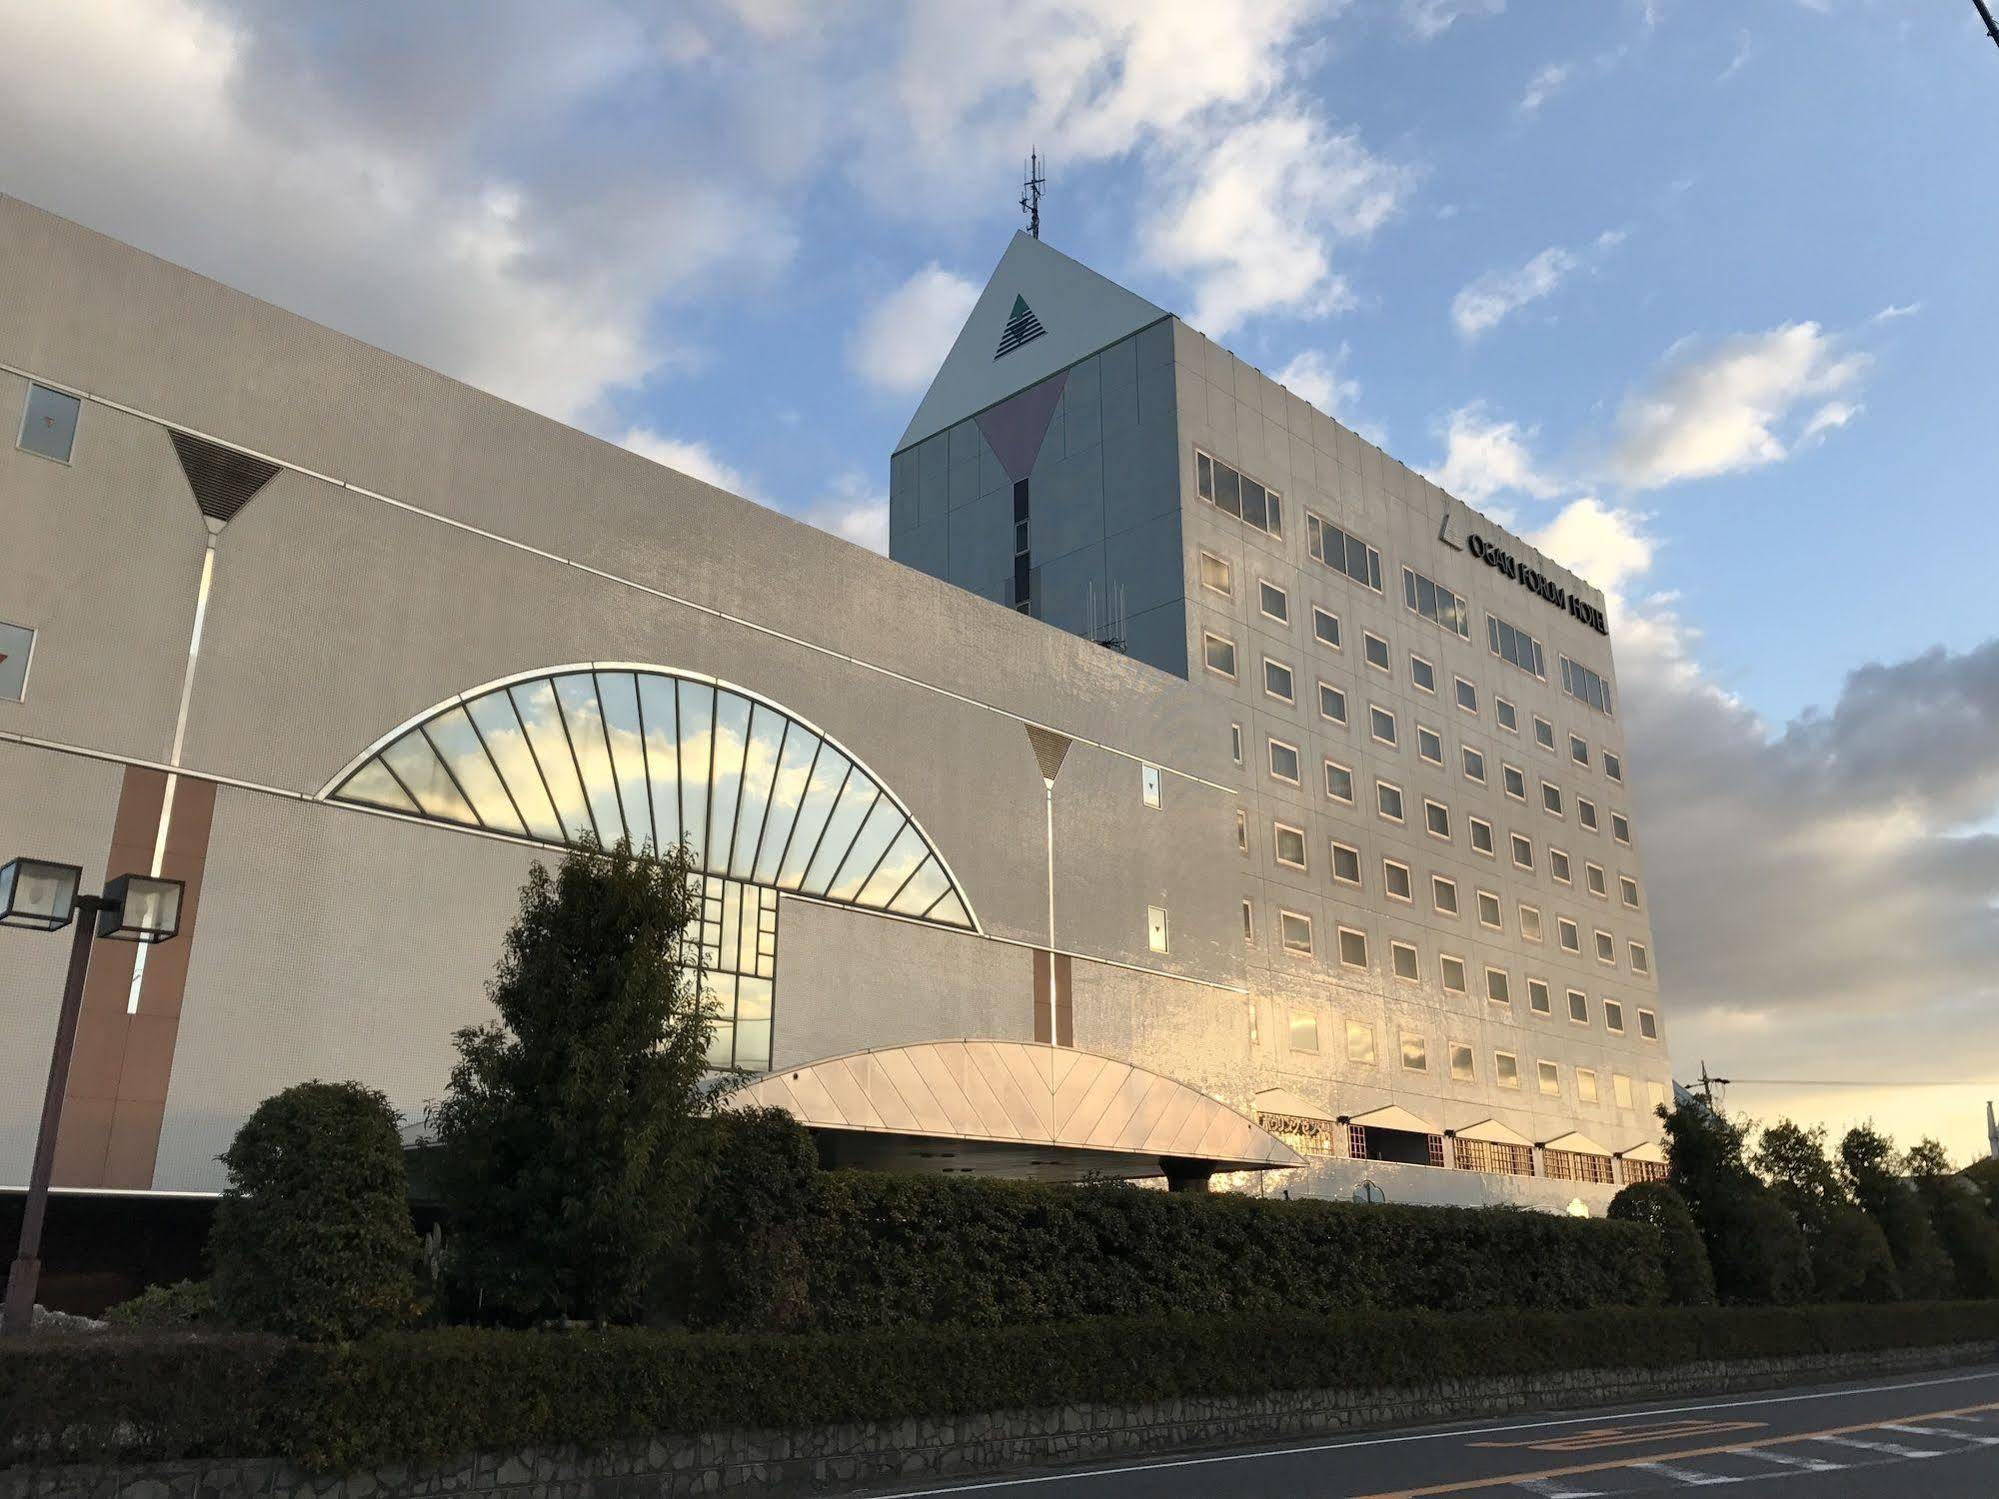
{"points": [[1641, 961], [1429, 745], [1249, 923], [1241, 831], [1288, 844], [1569, 934], [1155, 927], [1415, 1053], [1606, 948], [1627, 889], [1395, 879], [1523, 852], [1437, 819], [1613, 766], [1326, 627], [1339, 782], [1488, 910], [1332, 703], [1593, 878], [1497, 988], [1374, 649], [1537, 996], [1381, 724], [1585, 686], [1513, 781], [1530, 922], [1481, 836], [1558, 865], [1422, 673], [1620, 1090], [1360, 1043], [1544, 732], [1515, 646], [1295, 932], [1586, 812], [1388, 800], [1343, 553], [1444, 894], [1436, 603], [1551, 1079], [1578, 750], [1304, 1031], [1620, 828], [1648, 1025], [1613, 1017], [1346, 864], [1467, 694], [1148, 784], [1277, 680], [1506, 1069], [1462, 1070], [1402, 959], [1353, 947], [1551, 798], [1229, 489], [1284, 761], [1452, 971], [48, 423], [1273, 601], [1217, 573], [1506, 714], [1585, 1085], [1235, 742], [1578, 1007], [1474, 764], [1219, 653]]}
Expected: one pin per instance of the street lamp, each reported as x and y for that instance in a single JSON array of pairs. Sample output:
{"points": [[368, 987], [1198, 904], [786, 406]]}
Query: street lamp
{"points": [[44, 896]]}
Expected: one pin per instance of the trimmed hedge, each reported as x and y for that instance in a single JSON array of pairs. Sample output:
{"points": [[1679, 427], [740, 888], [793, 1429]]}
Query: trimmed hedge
{"points": [[879, 1250], [433, 1397]]}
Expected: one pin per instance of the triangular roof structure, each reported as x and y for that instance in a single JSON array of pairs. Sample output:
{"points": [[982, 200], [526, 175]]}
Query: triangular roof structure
{"points": [[1575, 1143], [1394, 1116], [1648, 1150], [999, 350], [1284, 1101], [1493, 1132]]}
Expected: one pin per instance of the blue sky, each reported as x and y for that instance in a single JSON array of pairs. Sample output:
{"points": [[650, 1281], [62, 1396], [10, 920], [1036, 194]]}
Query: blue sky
{"points": [[1701, 296]]}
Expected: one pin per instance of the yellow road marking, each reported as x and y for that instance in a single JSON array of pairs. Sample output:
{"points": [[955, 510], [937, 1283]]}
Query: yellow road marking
{"points": [[1469, 1485], [1627, 1436]]}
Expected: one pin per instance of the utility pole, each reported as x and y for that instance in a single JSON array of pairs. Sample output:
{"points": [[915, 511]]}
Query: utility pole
{"points": [[1709, 1084], [1030, 192], [1985, 15]]}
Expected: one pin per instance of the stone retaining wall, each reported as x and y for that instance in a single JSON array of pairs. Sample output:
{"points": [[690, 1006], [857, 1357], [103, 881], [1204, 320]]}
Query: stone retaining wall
{"points": [[877, 1452]]}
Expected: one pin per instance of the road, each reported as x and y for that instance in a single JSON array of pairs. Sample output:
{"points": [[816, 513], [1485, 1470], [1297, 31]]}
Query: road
{"points": [[1934, 1435]]}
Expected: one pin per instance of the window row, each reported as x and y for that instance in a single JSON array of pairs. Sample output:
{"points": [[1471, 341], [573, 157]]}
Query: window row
{"points": [[1229, 490]]}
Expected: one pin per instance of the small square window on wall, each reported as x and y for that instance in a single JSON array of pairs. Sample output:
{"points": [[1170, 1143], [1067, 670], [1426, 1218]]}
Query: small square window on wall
{"points": [[1415, 1053], [1463, 1070], [1304, 1031], [1273, 601], [1217, 574], [1155, 928], [1451, 970], [1294, 930], [1360, 1043], [1148, 780], [48, 423]]}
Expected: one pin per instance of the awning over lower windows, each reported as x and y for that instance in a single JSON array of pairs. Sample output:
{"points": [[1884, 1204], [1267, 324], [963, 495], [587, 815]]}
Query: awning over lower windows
{"points": [[1394, 1116], [1646, 1150], [1493, 1133], [1575, 1143], [1282, 1101]]}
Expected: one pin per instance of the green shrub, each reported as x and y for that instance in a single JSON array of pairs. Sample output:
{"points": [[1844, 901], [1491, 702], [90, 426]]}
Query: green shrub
{"points": [[410, 1398], [1851, 1260], [881, 1251], [312, 1237], [1873, 1175], [1757, 1249], [185, 1305], [1689, 1276], [758, 1174]]}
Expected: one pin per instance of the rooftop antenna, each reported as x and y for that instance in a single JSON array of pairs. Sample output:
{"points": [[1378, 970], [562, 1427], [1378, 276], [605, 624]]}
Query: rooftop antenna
{"points": [[1030, 193]]}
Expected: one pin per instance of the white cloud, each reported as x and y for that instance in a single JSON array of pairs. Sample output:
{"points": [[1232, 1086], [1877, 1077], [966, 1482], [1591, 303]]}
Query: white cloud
{"points": [[1542, 86], [905, 335], [1325, 382], [1482, 304], [1893, 311], [1745, 49], [854, 508], [691, 457], [1430, 19], [1733, 405], [1485, 456], [1605, 546]]}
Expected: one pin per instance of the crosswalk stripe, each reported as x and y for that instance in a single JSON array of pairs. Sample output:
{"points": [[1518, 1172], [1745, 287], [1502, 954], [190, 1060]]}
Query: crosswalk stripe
{"points": [[1893, 1449], [1942, 1431], [1692, 1477], [1547, 1488], [1785, 1460]]}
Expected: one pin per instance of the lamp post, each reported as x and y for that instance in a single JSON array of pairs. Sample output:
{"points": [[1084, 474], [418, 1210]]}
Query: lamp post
{"points": [[44, 896]]}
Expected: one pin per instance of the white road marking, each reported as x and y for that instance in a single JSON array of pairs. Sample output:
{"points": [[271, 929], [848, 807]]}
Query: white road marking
{"points": [[1692, 1477], [1547, 1488], [1893, 1449], [1942, 1431], [1451, 1434], [1786, 1460]]}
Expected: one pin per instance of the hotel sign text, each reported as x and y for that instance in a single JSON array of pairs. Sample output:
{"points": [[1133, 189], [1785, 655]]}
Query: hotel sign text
{"points": [[1536, 582]]}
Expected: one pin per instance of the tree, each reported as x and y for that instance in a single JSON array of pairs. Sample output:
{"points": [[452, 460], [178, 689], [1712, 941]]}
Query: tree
{"points": [[747, 1263], [1958, 1212], [1754, 1244], [1849, 1256], [1872, 1174], [1984, 1175], [312, 1237], [562, 1134], [1689, 1276]]}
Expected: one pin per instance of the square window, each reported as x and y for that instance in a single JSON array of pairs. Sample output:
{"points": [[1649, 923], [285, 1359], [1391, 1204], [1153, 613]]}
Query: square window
{"points": [[1544, 732], [1217, 573], [1429, 745], [1641, 961], [1415, 1053], [1155, 927], [1437, 819], [1578, 1007], [1570, 935], [1481, 836], [1339, 782], [1148, 784], [48, 423], [1620, 828], [1558, 865], [1273, 601], [1444, 894], [1304, 1031], [1388, 800], [1613, 1017], [1530, 923], [1497, 989], [1219, 654], [1332, 703], [1395, 880], [1284, 761], [1467, 696], [1648, 1025], [1295, 932], [1346, 864], [1627, 889], [1593, 877], [1550, 1077], [1513, 782], [1360, 1043], [1375, 650], [1488, 910], [1452, 971], [1474, 764], [1613, 766], [1551, 798], [1537, 996], [1507, 714], [1523, 851], [1423, 674], [1277, 679], [1585, 1085], [1620, 1089], [1326, 627], [1353, 947], [1586, 812], [1235, 742], [1578, 749], [1402, 959], [1289, 845], [1506, 1069], [1462, 1070], [1606, 949], [1381, 724]]}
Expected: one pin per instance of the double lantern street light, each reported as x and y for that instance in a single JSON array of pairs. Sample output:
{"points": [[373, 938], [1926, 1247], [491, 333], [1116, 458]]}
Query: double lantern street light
{"points": [[46, 897]]}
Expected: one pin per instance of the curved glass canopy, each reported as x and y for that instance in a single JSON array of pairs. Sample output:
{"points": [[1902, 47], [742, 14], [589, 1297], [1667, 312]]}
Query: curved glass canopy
{"points": [[756, 793]]}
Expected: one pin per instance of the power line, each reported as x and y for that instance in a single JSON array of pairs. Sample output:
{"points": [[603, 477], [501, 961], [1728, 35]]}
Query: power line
{"points": [[1851, 1082]]}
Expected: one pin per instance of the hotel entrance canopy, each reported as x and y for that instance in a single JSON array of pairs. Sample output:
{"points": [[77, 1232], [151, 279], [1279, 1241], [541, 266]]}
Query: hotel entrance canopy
{"points": [[1013, 1108]]}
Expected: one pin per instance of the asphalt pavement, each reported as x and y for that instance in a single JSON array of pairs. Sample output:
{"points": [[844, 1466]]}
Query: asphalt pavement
{"points": [[1913, 1436]]}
